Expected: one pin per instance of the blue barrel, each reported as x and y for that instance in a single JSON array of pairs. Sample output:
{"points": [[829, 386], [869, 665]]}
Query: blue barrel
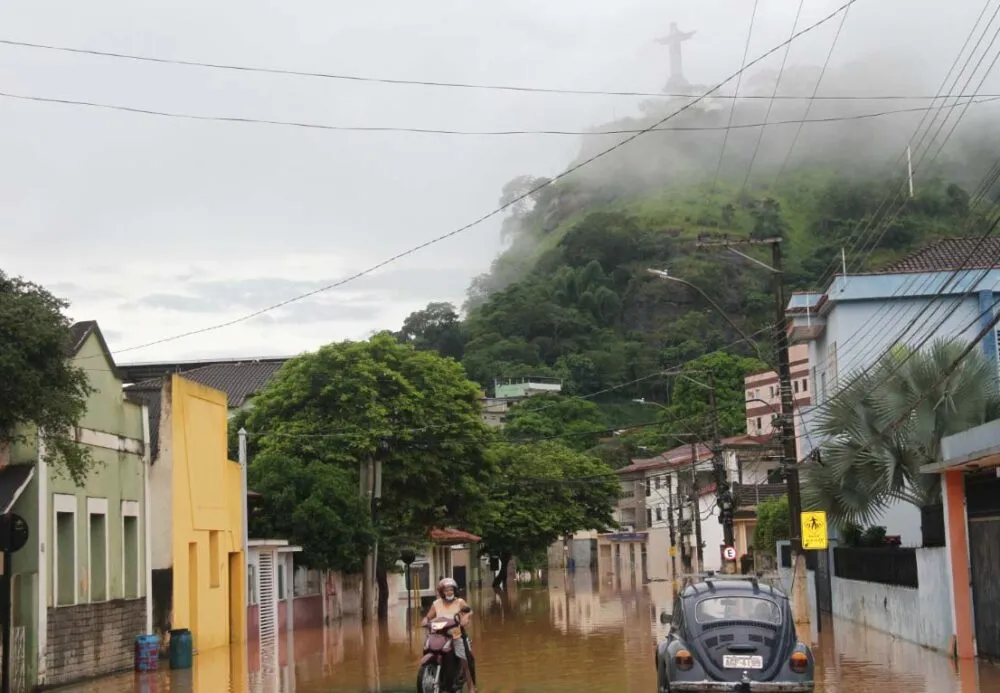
{"points": [[181, 648], [147, 652]]}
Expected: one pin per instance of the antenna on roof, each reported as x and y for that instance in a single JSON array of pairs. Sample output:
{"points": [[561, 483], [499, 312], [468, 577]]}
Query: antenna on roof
{"points": [[909, 169]]}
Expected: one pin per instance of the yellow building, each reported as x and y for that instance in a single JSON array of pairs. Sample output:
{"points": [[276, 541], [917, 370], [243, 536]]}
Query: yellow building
{"points": [[197, 506]]}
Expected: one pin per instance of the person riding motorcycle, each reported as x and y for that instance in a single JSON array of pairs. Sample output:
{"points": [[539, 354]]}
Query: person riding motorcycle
{"points": [[449, 605]]}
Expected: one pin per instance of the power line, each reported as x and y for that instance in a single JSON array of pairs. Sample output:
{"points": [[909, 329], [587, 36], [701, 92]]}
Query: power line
{"points": [[497, 210], [181, 115], [431, 83], [739, 81]]}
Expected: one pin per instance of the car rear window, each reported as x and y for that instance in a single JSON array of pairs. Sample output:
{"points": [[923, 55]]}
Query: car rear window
{"points": [[737, 608]]}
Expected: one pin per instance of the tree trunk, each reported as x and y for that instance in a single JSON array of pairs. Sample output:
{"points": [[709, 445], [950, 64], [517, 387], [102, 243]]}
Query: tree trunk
{"points": [[382, 577]]}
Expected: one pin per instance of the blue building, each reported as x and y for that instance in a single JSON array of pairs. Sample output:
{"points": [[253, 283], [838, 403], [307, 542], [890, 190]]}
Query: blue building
{"points": [[946, 289]]}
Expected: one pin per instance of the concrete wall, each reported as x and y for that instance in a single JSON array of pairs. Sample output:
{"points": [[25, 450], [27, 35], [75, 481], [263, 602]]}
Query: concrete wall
{"points": [[918, 615], [92, 639], [207, 517]]}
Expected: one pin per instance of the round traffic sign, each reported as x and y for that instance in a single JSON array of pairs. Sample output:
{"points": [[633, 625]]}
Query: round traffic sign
{"points": [[13, 533], [729, 553]]}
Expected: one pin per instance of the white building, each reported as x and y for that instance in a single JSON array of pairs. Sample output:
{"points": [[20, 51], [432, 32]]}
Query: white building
{"points": [[945, 290]]}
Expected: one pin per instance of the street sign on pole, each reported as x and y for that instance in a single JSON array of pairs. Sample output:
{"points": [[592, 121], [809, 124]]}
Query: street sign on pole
{"points": [[673, 551], [814, 536], [729, 553]]}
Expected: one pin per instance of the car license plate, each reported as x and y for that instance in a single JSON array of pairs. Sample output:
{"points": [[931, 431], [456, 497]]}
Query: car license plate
{"points": [[742, 661]]}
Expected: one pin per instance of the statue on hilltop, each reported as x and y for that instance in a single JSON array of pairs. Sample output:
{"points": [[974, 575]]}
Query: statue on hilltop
{"points": [[677, 84]]}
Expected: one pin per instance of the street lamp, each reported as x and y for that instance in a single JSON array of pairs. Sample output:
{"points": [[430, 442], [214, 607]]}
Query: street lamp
{"points": [[663, 274]]}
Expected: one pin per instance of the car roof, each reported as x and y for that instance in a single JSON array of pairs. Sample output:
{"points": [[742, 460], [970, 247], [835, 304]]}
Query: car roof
{"points": [[732, 588]]}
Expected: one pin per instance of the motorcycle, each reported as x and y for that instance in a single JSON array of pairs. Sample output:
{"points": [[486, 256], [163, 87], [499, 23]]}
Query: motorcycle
{"points": [[440, 669]]}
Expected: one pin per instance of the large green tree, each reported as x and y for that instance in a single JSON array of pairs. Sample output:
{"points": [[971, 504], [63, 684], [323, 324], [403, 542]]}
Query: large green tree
{"points": [[40, 388], [576, 423], [869, 462], [543, 491], [436, 327], [690, 399], [351, 402]]}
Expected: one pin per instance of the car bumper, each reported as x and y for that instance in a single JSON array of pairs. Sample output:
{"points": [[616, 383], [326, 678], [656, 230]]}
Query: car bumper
{"points": [[741, 686]]}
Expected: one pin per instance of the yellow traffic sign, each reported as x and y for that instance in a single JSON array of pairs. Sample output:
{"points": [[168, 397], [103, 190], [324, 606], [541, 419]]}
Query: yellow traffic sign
{"points": [[673, 550], [814, 530]]}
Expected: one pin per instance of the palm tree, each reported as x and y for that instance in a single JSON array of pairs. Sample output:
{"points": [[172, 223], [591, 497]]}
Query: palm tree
{"points": [[863, 469]]}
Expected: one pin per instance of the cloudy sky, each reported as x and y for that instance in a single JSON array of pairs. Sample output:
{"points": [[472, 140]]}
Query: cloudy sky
{"points": [[157, 226]]}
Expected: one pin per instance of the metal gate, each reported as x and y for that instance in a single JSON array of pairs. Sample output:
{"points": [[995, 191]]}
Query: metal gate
{"points": [[264, 680], [824, 586], [18, 660], [984, 554]]}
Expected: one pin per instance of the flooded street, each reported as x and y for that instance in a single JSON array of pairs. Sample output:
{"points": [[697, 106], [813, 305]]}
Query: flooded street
{"points": [[564, 637]]}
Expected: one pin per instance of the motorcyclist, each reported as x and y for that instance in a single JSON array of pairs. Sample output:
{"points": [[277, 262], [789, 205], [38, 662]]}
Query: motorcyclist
{"points": [[449, 605]]}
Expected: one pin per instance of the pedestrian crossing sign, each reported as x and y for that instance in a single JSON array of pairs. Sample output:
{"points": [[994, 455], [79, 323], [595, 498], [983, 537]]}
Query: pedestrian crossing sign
{"points": [[814, 536]]}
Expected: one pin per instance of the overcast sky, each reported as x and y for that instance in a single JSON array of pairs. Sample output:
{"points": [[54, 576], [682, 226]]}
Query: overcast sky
{"points": [[156, 226]]}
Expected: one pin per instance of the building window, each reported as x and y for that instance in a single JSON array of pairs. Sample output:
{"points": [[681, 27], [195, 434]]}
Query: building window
{"points": [[64, 561], [759, 427], [649, 517], [648, 486], [659, 514], [659, 480], [97, 542], [805, 385], [130, 548], [214, 569], [281, 577], [796, 384]]}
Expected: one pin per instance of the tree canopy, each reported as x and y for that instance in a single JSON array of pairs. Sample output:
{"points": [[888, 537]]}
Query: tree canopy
{"points": [[542, 492], [353, 401], [867, 464], [577, 423], [436, 327], [41, 388], [691, 401]]}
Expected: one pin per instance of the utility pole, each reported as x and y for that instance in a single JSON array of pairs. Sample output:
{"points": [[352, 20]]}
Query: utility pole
{"points": [[696, 507], [800, 599], [368, 579], [671, 528], [723, 493]]}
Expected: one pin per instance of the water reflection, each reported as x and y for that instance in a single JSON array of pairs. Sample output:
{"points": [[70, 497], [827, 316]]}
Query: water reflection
{"points": [[572, 635]]}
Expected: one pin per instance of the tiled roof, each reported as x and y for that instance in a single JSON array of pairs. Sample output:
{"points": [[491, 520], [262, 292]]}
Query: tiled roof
{"points": [[78, 333], [948, 254], [682, 453], [239, 381], [748, 496], [453, 536]]}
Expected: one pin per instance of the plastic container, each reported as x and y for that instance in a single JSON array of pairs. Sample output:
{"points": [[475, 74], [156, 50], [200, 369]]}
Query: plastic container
{"points": [[147, 652], [181, 648]]}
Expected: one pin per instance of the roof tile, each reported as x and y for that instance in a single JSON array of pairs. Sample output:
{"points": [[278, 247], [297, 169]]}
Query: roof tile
{"points": [[949, 254], [239, 381]]}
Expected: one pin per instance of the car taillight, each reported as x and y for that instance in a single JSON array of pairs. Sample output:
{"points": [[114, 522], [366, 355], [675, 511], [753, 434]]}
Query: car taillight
{"points": [[799, 662], [684, 660]]}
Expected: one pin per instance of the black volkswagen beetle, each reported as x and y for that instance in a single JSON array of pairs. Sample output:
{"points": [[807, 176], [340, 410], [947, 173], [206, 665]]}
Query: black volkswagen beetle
{"points": [[733, 634]]}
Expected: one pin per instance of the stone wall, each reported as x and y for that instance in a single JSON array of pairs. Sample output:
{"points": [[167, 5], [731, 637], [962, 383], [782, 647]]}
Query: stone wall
{"points": [[91, 640]]}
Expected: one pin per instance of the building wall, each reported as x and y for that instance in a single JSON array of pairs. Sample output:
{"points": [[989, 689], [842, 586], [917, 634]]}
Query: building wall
{"points": [[95, 591], [918, 615], [765, 386], [207, 522], [92, 639]]}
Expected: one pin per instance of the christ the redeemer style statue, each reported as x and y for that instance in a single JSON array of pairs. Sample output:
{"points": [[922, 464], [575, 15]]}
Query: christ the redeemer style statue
{"points": [[674, 41]]}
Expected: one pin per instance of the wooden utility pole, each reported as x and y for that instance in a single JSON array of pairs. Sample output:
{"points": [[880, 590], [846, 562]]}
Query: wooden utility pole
{"points": [[723, 494], [800, 599], [672, 530]]}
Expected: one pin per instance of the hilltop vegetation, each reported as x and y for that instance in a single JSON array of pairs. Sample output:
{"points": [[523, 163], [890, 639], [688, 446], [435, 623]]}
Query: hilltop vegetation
{"points": [[570, 295]]}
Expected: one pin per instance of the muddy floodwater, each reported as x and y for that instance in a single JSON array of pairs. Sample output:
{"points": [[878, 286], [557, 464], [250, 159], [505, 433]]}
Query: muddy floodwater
{"points": [[569, 636]]}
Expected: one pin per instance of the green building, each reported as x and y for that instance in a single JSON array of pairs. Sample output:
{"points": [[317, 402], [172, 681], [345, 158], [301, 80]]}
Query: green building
{"points": [[80, 587]]}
